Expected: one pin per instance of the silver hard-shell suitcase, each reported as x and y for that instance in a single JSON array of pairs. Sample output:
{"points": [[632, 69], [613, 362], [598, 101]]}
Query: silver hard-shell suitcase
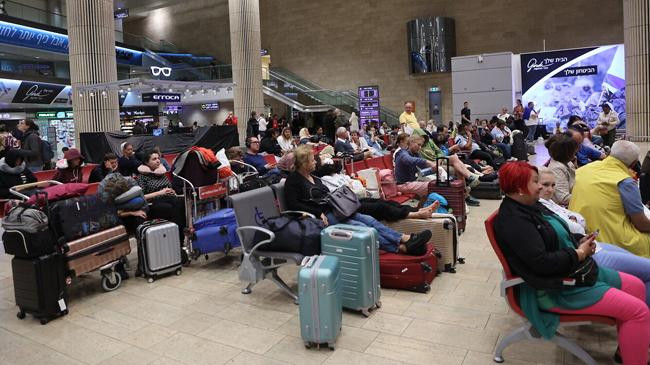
{"points": [[159, 249]]}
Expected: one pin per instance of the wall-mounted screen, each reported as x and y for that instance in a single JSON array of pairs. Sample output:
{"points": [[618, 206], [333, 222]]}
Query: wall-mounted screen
{"points": [[575, 82]]}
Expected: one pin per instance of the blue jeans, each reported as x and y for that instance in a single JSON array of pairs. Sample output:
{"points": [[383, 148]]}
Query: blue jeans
{"points": [[619, 259], [532, 129], [35, 168], [389, 239], [505, 149]]}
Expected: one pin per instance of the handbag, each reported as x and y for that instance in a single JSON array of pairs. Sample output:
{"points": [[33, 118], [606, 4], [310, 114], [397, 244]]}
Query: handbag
{"points": [[343, 201], [585, 274]]}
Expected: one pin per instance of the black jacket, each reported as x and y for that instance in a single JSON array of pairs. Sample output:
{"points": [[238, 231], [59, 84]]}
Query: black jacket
{"points": [[303, 195], [30, 149], [128, 166], [98, 174], [12, 176], [270, 145], [531, 246]]}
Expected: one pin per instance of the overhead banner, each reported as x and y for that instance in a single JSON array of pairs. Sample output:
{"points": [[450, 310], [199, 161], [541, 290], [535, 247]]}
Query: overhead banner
{"points": [[574, 82], [29, 92]]}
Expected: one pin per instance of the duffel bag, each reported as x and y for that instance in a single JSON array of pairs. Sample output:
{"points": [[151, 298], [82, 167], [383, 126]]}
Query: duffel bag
{"points": [[292, 234], [80, 217], [27, 233]]}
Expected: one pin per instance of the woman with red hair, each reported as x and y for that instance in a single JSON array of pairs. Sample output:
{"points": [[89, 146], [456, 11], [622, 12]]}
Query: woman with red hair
{"points": [[560, 274]]}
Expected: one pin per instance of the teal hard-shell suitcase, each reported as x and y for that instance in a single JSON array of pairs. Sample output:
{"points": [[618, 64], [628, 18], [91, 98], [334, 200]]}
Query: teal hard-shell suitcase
{"points": [[319, 297], [356, 248]]}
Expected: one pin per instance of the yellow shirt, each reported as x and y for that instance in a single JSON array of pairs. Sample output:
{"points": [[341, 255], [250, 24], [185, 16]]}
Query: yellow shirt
{"points": [[409, 120], [595, 195]]}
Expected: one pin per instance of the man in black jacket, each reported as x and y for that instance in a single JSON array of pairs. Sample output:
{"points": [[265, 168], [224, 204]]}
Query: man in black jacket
{"points": [[109, 166]]}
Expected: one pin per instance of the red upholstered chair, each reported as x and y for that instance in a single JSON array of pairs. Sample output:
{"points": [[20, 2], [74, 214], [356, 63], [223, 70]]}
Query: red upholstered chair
{"points": [[527, 332], [44, 175], [86, 170], [376, 162], [388, 161], [170, 158], [355, 166], [92, 188]]}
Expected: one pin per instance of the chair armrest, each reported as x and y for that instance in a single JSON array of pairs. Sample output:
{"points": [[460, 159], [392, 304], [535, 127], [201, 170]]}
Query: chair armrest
{"points": [[298, 212], [505, 284], [257, 245]]}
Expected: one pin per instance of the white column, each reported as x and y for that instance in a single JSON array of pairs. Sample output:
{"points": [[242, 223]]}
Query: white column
{"points": [[636, 26], [245, 46], [91, 35]]}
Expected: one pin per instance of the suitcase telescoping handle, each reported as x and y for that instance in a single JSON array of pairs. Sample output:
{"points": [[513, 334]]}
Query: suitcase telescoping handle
{"points": [[340, 235], [439, 182], [308, 261]]}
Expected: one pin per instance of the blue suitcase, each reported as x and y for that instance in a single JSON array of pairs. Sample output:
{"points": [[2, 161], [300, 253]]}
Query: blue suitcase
{"points": [[319, 297], [356, 248], [216, 232]]}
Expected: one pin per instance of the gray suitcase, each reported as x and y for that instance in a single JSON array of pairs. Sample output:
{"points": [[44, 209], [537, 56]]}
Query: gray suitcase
{"points": [[159, 249]]}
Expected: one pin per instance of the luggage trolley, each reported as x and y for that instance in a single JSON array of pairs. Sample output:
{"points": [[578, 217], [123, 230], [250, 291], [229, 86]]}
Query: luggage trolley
{"points": [[238, 179], [200, 201], [111, 280]]}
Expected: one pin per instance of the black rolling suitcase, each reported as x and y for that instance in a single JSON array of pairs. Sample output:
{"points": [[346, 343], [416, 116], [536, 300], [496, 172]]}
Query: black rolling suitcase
{"points": [[487, 190], [39, 286]]}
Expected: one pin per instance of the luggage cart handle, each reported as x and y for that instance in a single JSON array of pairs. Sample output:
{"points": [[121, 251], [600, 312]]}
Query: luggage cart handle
{"points": [[16, 190]]}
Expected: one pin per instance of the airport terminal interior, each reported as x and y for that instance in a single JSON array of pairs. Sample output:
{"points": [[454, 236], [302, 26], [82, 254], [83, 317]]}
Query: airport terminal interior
{"points": [[324, 182]]}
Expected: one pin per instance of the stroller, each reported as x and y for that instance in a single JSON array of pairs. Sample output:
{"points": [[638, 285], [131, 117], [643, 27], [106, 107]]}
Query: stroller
{"points": [[197, 179]]}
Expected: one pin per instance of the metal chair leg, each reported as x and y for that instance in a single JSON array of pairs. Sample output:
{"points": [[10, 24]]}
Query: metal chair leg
{"points": [[515, 336], [248, 289], [573, 348], [280, 283]]}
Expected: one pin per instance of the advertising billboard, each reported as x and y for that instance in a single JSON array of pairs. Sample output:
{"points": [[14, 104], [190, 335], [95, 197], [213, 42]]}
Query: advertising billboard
{"points": [[574, 82]]}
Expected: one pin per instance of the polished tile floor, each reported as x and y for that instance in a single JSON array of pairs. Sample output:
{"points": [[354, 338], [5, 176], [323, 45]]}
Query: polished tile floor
{"points": [[200, 317]]}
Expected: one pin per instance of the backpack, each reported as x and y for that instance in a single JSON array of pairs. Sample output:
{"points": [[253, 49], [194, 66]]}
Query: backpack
{"points": [[388, 184], [432, 198], [46, 151]]}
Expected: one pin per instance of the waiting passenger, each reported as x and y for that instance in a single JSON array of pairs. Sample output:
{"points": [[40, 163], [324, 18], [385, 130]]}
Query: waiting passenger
{"points": [[608, 197], [539, 247], [30, 148], [109, 166], [286, 141], [269, 144], [306, 190], [253, 158], [68, 170], [128, 164], [464, 140], [13, 171], [606, 255], [163, 161], [158, 190], [562, 148]]}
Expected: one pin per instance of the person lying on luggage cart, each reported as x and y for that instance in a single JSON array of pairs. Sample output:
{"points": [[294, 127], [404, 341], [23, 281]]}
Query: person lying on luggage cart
{"points": [[305, 192]]}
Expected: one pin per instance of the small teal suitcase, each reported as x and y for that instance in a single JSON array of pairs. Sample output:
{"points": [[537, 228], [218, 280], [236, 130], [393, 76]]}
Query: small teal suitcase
{"points": [[319, 296], [356, 248]]}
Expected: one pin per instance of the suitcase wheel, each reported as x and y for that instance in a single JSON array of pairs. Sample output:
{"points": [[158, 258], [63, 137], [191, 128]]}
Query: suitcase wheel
{"points": [[378, 304], [111, 281], [331, 346], [461, 260], [308, 345], [365, 312], [179, 271], [44, 321], [150, 280], [20, 315]]}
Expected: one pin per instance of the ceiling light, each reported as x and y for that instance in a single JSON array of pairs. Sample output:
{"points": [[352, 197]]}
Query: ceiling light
{"points": [[92, 94], [128, 88], [171, 90], [104, 94], [153, 89], [81, 95]]}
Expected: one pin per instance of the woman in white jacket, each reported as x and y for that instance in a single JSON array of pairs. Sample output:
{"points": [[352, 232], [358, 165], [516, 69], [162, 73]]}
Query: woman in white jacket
{"points": [[286, 141]]}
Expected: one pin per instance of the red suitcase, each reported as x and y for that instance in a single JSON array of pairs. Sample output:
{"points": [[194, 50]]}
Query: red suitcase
{"points": [[454, 191], [415, 273]]}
